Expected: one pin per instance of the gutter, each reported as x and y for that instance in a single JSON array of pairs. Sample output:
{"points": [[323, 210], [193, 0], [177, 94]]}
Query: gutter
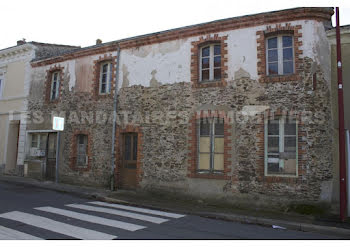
{"points": [[115, 105]]}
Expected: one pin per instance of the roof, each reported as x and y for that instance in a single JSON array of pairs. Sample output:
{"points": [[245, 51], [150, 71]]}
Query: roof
{"points": [[317, 13]]}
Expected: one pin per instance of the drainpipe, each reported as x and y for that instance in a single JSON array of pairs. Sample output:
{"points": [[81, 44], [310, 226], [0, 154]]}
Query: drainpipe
{"points": [[348, 167], [115, 105], [342, 165]]}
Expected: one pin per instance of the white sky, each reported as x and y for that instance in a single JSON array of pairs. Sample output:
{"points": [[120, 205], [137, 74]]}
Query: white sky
{"points": [[81, 22]]}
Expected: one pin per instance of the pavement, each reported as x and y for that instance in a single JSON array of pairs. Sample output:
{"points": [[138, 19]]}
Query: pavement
{"points": [[202, 220]]}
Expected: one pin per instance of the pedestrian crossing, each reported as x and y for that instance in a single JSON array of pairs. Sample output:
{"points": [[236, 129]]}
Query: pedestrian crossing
{"points": [[50, 219]]}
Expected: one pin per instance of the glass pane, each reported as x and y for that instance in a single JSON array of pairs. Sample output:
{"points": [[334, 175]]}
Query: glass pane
{"points": [[104, 78], [55, 76], [127, 146], [273, 127], [204, 161], [287, 54], [273, 168], [105, 68], [272, 55], [290, 146], [287, 41], [288, 67], [219, 128], [217, 61], [103, 88], [135, 148], [217, 49], [290, 128], [217, 74], [205, 63], [273, 68], [273, 145], [204, 127], [219, 162], [204, 144], [272, 43], [219, 145], [205, 51], [205, 75]]}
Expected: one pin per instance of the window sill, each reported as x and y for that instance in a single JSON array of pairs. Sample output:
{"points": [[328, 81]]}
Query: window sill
{"points": [[213, 83], [279, 78], [209, 176]]}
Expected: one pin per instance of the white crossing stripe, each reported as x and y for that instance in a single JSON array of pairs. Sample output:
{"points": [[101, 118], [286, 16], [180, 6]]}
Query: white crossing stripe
{"points": [[120, 213], [55, 226], [93, 219], [141, 210], [10, 234]]}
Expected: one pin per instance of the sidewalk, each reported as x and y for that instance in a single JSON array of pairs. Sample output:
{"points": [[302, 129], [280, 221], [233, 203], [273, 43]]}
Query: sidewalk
{"points": [[330, 226]]}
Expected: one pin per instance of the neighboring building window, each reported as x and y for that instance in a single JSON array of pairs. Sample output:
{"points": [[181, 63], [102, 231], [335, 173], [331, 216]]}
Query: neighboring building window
{"points": [[82, 142], [55, 85], [210, 62], [279, 51], [281, 147], [105, 78], [211, 145]]}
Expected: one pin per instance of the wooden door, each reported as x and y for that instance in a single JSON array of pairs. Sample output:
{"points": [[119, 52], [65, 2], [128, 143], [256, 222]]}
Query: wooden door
{"points": [[51, 156], [127, 178]]}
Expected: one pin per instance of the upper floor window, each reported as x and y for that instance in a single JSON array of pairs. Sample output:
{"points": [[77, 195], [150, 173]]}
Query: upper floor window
{"points": [[280, 60], [55, 85], [281, 147], [82, 143], [211, 145], [105, 78], [210, 62]]}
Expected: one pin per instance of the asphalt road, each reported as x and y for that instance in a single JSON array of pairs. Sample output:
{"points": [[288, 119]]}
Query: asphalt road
{"points": [[34, 213]]}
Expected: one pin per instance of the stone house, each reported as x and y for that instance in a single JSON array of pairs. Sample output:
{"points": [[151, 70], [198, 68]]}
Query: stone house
{"points": [[15, 75], [237, 109]]}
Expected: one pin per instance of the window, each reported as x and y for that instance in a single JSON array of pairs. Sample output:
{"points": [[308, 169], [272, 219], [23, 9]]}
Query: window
{"points": [[211, 145], [105, 78], [38, 141], [1, 85], [280, 59], [281, 156], [82, 142], [55, 85], [210, 62]]}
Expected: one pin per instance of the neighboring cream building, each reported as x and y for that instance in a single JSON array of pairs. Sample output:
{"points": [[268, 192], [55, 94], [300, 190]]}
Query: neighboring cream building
{"points": [[15, 76]]}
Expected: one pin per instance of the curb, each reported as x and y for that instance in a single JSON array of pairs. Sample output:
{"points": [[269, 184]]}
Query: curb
{"points": [[305, 227]]}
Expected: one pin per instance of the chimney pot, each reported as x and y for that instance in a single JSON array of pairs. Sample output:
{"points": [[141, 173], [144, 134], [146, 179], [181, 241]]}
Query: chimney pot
{"points": [[98, 41]]}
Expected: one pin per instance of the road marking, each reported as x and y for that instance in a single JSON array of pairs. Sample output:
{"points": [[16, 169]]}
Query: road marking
{"points": [[93, 219], [141, 210], [120, 213], [55, 226], [10, 234]]}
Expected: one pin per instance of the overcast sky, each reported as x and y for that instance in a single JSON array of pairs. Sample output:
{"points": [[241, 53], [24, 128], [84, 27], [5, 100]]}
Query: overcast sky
{"points": [[74, 22]]}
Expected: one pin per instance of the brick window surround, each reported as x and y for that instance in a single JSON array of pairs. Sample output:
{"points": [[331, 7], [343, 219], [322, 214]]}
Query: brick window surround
{"points": [[261, 52], [196, 45], [73, 148], [48, 83], [193, 146], [118, 151], [261, 148], [96, 75]]}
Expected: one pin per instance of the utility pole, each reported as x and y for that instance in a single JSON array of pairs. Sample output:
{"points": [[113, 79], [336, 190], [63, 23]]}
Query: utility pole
{"points": [[342, 165]]}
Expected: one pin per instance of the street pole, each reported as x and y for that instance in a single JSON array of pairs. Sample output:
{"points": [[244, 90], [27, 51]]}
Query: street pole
{"points": [[342, 166], [57, 154]]}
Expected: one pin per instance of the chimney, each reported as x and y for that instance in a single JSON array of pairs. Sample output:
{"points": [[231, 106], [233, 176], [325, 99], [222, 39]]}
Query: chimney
{"points": [[98, 41], [21, 42]]}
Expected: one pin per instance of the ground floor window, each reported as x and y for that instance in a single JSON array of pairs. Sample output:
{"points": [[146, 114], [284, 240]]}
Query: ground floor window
{"points": [[211, 145], [82, 143], [281, 147]]}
